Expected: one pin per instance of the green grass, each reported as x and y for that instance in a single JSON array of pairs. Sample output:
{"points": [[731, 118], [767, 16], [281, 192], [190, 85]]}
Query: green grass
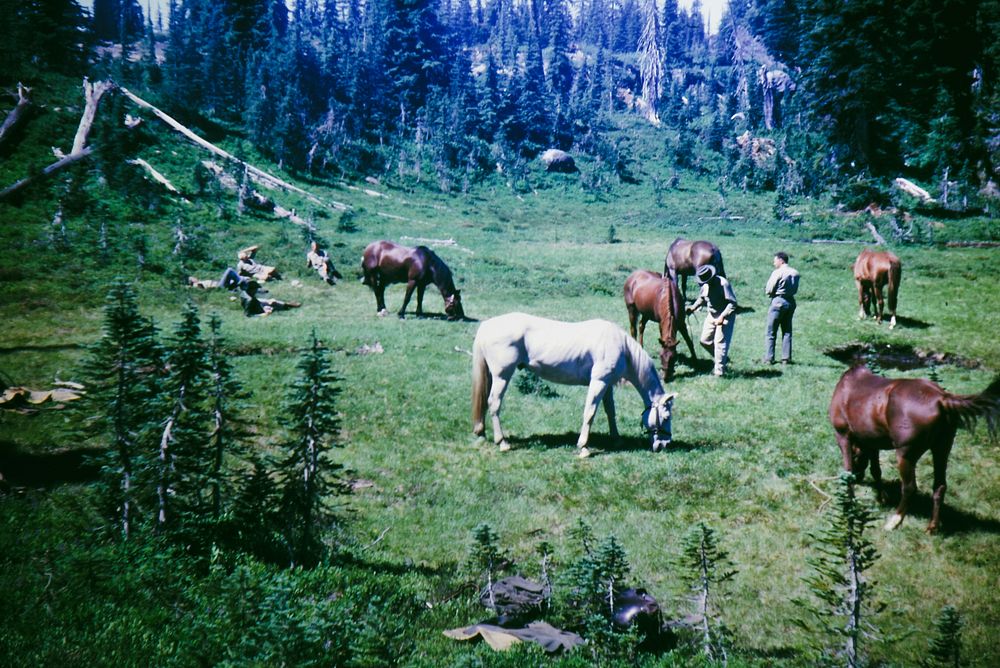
{"points": [[754, 458]]}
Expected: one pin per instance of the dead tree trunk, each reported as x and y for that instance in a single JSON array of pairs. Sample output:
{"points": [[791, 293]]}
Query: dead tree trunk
{"points": [[45, 173], [17, 115], [92, 94], [158, 177], [255, 173]]}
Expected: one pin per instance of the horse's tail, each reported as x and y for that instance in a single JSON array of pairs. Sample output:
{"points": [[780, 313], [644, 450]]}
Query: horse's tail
{"points": [[481, 383], [895, 274], [966, 409], [718, 263]]}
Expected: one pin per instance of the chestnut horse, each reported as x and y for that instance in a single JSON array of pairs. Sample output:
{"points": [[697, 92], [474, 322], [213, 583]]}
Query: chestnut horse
{"points": [[684, 256], [872, 413], [873, 271], [650, 296], [385, 262]]}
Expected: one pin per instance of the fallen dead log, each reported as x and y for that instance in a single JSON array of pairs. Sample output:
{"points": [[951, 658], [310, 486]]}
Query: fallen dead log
{"points": [[911, 188], [157, 176], [255, 173], [65, 161], [92, 93], [879, 239], [255, 199], [17, 115]]}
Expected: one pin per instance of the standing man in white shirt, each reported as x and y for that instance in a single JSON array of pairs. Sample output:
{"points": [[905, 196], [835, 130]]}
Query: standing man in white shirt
{"points": [[781, 288]]}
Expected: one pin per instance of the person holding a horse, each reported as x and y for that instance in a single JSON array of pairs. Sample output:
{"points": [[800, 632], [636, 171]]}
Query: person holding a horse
{"points": [[717, 332], [781, 288]]}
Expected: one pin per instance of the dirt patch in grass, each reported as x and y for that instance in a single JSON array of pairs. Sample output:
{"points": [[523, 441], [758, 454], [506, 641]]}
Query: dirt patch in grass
{"points": [[893, 356]]}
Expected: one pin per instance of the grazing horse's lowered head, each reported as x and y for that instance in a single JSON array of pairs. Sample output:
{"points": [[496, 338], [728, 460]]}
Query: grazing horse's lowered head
{"points": [[656, 420], [651, 296], [873, 272], [384, 263], [911, 416]]}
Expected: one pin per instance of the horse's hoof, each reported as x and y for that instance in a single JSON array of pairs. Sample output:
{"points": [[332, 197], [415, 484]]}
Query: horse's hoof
{"points": [[894, 521], [382, 313], [584, 453], [504, 446], [931, 528]]}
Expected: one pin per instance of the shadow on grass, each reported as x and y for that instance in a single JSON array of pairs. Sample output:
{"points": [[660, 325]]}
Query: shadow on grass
{"points": [[911, 323], [953, 520], [21, 469], [602, 444], [755, 373], [433, 316]]}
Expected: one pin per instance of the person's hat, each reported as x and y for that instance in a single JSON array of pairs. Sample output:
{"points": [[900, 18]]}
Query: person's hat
{"points": [[705, 273], [247, 252]]}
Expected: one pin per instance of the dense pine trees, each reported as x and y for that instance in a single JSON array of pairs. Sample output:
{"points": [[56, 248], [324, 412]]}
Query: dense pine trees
{"points": [[444, 88]]}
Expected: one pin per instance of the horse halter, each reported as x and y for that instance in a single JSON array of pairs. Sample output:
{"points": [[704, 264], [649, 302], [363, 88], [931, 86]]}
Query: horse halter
{"points": [[659, 409]]}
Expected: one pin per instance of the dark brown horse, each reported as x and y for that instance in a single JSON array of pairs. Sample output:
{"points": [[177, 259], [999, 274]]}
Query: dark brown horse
{"points": [[872, 413], [385, 262], [873, 271], [650, 296], [684, 256]]}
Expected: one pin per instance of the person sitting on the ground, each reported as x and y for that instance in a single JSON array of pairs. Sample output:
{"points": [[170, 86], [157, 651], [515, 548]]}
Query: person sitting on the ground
{"points": [[230, 280], [253, 305], [249, 266], [319, 261]]}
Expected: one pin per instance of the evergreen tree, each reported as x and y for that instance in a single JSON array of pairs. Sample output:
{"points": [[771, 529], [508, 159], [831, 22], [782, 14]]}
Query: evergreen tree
{"points": [[117, 20], [528, 123], [40, 35], [124, 371], [843, 593], [225, 438], [306, 474], [486, 559], [560, 73], [673, 43], [945, 648], [706, 568], [594, 581], [256, 517], [651, 60], [183, 458], [416, 56]]}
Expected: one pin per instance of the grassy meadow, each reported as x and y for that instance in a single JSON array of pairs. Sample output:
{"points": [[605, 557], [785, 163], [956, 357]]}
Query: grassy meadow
{"points": [[754, 456]]}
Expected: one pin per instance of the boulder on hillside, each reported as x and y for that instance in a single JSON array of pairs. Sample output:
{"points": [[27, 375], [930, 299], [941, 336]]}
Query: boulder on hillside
{"points": [[558, 161]]}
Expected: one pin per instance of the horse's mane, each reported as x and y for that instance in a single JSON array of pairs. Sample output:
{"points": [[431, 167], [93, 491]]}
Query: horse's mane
{"points": [[440, 273], [642, 365]]}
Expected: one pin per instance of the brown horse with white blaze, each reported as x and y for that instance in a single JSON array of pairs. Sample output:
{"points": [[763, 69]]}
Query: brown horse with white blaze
{"points": [[384, 263], [684, 257], [873, 272], [871, 413], [651, 296]]}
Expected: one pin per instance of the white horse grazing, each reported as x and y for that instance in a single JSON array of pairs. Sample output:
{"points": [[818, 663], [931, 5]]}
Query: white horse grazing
{"points": [[596, 353]]}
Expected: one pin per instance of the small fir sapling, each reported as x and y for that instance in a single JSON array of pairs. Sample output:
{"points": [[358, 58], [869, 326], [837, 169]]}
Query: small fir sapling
{"points": [[707, 568], [308, 479], [486, 559], [945, 648], [124, 370], [184, 421], [842, 592]]}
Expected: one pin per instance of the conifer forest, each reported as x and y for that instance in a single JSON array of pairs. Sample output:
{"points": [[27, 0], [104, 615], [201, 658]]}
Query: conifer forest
{"points": [[272, 469]]}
